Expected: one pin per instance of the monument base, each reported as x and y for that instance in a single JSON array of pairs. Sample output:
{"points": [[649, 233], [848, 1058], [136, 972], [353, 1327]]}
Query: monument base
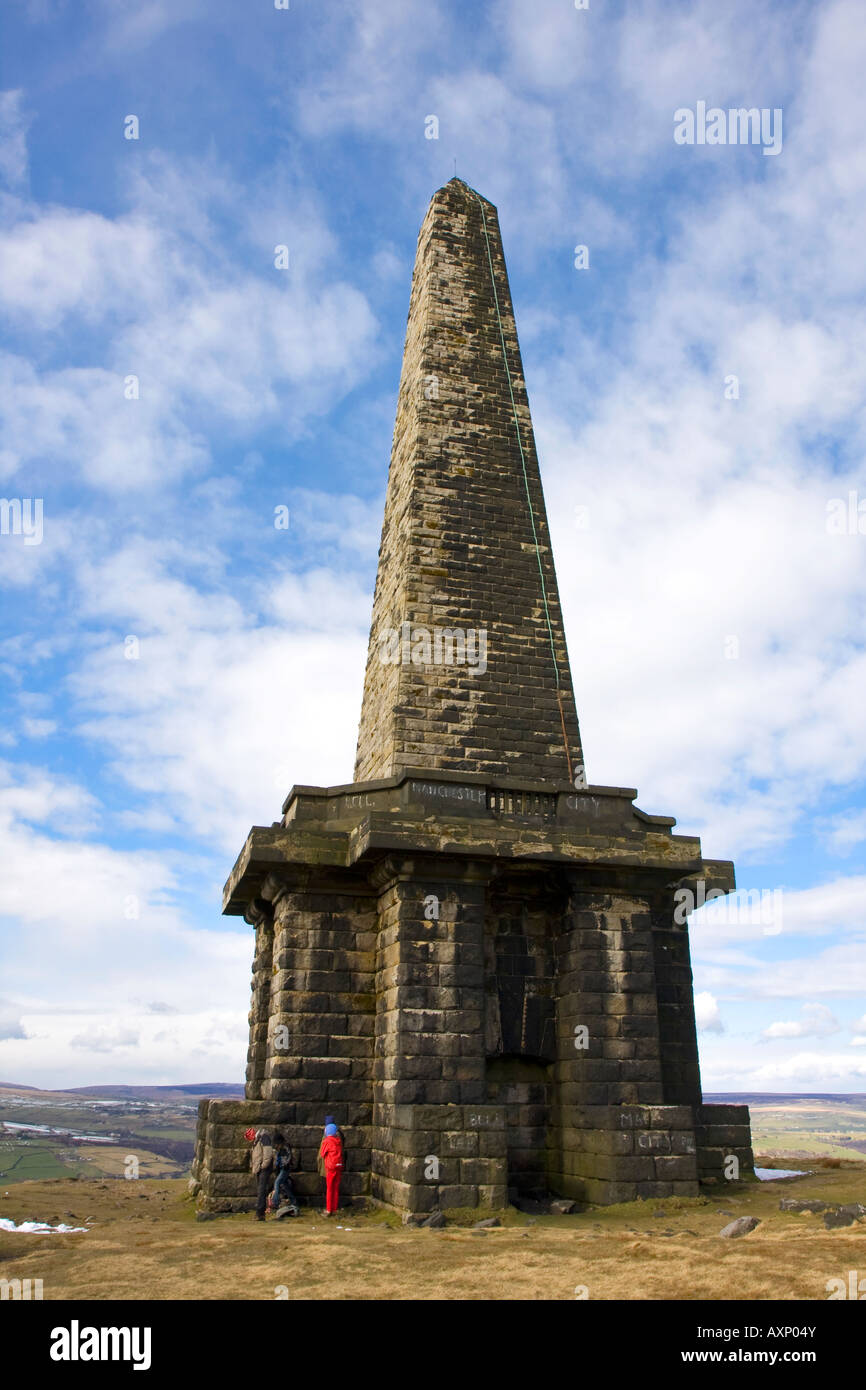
{"points": [[439, 1157], [487, 985]]}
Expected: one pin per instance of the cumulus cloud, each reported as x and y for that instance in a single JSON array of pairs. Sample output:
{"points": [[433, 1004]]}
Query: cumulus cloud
{"points": [[105, 1039], [837, 1070], [113, 927], [817, 1022], [707, 1015], [223, 709], [184, 326], [837, 971]]}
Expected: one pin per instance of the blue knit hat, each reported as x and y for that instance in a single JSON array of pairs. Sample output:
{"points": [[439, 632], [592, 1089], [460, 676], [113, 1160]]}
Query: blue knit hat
{"points": [[330, 1130]]}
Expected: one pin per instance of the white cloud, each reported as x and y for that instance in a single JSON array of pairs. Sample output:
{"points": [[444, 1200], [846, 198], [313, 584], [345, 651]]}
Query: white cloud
{"points": [[836, 1069], [707, 1015], [846, 831], [105, 1039], [33, 797], [109, 923], [223, 709], [208, 336], [818, 1022], [698, 506], [839, 971], [39, 728], [205, 1042]]}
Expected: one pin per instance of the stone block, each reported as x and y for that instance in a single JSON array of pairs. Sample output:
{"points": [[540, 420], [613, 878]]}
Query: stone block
{"points": [[489, 1171], [245, 1112], [677, 1168], [683, 1142], [458, 1195], [672, 1117], [229, 1160], [229, 1184]]}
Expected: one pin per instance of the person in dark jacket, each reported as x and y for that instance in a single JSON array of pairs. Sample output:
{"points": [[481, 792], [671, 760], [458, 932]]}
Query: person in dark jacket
{"points": [[285, 1160], [262, 1165]]}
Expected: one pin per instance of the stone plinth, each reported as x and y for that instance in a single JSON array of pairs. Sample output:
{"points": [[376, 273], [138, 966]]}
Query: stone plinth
{"points": [[485, 984]]}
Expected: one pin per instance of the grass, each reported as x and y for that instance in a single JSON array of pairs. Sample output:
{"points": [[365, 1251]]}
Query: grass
{"points": [[144, 1242], [37, 1159], [44, 1158]]}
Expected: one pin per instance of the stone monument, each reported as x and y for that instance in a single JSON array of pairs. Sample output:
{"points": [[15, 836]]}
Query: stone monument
{"points": [[471, 958]]}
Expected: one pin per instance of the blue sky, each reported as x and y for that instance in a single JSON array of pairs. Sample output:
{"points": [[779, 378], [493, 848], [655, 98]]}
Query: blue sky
{"points": [[716, 626]]}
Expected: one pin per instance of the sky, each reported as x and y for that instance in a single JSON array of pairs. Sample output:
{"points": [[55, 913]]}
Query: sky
{"points": [[172, 661]]}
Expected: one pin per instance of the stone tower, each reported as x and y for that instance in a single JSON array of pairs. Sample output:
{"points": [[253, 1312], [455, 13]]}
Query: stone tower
{"points": [[468, 956]]}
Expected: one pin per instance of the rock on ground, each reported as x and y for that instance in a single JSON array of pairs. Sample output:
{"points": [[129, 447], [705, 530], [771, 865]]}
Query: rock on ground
{"points": [[741, 1227]]}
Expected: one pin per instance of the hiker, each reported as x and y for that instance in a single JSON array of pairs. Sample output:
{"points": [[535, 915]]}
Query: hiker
{"points": [[329, 1120], [284, 1161], [262, 1165], [331, 1159]]}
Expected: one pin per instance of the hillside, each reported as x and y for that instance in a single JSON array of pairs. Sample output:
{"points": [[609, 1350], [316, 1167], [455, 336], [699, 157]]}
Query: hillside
{"points": [[144, 1243]]}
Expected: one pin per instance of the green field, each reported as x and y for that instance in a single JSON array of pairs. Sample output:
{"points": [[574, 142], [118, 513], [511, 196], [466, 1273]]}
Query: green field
{"points": [[22, 1161], [800, 1127], [134, 1125]]}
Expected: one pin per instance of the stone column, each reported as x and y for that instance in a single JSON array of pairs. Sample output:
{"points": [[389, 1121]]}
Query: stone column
{"points": [[320, 1038], [435, 1141], [259, 914], [618, 1138], [681, 1077]]}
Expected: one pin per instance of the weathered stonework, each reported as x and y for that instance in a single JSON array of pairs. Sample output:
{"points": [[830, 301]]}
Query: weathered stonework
{"points": [[474, 965], [457, 542]]}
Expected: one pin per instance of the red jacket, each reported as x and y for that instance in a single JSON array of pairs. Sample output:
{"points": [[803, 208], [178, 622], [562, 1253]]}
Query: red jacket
{"points": [[332, 1153]]}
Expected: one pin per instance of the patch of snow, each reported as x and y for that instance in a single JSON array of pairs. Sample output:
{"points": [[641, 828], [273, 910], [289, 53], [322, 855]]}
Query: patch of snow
{"points": [[36, 1228], [768, 1174]]}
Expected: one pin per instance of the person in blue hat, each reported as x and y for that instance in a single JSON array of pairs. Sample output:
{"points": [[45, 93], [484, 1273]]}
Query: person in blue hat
{"points": [[329, 1120], [331, 1159]]}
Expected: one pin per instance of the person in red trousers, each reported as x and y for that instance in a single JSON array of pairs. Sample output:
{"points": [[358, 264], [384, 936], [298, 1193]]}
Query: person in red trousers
{"points": [[331, 1158]]}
